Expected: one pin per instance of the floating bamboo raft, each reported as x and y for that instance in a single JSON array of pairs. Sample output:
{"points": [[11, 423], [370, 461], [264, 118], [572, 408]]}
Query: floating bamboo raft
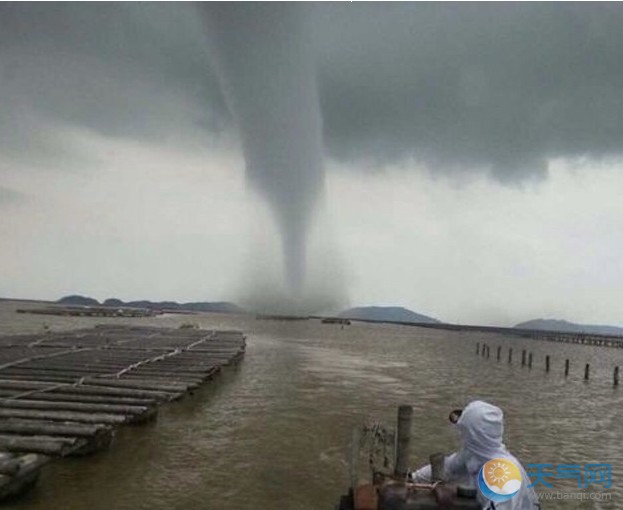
{"points": [[64, 393]]}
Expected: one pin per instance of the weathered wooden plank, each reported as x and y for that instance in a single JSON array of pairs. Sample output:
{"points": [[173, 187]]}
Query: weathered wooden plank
{"points": [[40, 377], [46, 445], [140, 384], [163, 377], [85, 389], [108, 419], [35, 356], [52, 428], [68, 397], [73, 406]]}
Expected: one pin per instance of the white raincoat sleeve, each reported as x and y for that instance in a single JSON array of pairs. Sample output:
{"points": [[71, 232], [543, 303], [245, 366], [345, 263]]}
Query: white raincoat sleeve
{"points": [[454, 469]]}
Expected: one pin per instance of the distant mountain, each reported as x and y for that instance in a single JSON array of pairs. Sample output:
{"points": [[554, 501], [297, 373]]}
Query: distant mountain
{"points": [[385, 314], [154, 305], [216, 307], [76, 300], [569, 327], [113, 302]]}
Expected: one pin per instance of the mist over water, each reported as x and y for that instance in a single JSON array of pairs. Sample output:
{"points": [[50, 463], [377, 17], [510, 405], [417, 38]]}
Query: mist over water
{"points": [[264, 285], [263, 58]]}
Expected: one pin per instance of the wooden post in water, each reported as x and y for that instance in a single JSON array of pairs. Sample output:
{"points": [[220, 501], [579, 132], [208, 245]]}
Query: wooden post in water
{"points": [[587, 370], [354, 458], [615, 378], [566, 368], [523, 357], [499, 352], [510, 354], [437, 461], [488, 351], [403, 439], [477, 348], [530, 360], [547, 363]]}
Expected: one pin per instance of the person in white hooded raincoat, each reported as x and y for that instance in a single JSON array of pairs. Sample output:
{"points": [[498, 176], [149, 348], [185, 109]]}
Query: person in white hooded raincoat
{"points": [[481, 426]]}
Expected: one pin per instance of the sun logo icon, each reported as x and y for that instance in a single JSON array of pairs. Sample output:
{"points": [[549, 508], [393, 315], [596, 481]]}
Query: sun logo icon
{"points": [[497, 473], [499, 480]]}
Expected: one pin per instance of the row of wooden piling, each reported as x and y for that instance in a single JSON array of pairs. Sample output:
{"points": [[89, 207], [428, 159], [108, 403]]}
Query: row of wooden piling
{"points": [[484, 350], [65, 393]]}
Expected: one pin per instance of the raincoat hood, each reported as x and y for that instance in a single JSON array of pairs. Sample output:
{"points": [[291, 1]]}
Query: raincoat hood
{"points": [[481, 426]]}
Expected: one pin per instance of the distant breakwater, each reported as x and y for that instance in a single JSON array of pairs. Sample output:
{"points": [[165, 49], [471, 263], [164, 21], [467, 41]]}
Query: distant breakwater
{"points": [[534, 334]]}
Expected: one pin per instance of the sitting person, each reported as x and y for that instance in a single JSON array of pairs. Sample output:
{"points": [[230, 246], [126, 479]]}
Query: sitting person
{"points": [[481, 426]]}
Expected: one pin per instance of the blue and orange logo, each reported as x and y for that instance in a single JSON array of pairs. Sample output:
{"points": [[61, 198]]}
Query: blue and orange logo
{"points": [[499, 480]]}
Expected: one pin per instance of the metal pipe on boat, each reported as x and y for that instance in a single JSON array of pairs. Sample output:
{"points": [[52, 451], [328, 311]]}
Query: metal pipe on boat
{"points": [[403, 439]]}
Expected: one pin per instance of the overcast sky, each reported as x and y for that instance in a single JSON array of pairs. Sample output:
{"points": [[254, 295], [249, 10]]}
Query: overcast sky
{"points": [[472, 156]]}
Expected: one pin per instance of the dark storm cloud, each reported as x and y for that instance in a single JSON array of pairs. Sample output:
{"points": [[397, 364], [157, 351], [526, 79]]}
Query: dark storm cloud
{"points": [[499, 86], [122, 70], [503, 86]]}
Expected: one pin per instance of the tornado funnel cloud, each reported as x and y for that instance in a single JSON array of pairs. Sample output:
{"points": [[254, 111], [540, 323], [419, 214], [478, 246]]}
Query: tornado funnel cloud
{"points": [[262, 55], [294, 254]]}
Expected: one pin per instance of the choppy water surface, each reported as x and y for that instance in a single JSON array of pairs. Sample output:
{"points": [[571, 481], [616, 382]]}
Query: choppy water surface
{"points": [[274, 432]]}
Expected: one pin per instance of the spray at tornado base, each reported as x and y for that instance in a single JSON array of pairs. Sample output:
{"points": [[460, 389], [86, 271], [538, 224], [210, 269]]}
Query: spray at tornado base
{"points": [[262, 56]]}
